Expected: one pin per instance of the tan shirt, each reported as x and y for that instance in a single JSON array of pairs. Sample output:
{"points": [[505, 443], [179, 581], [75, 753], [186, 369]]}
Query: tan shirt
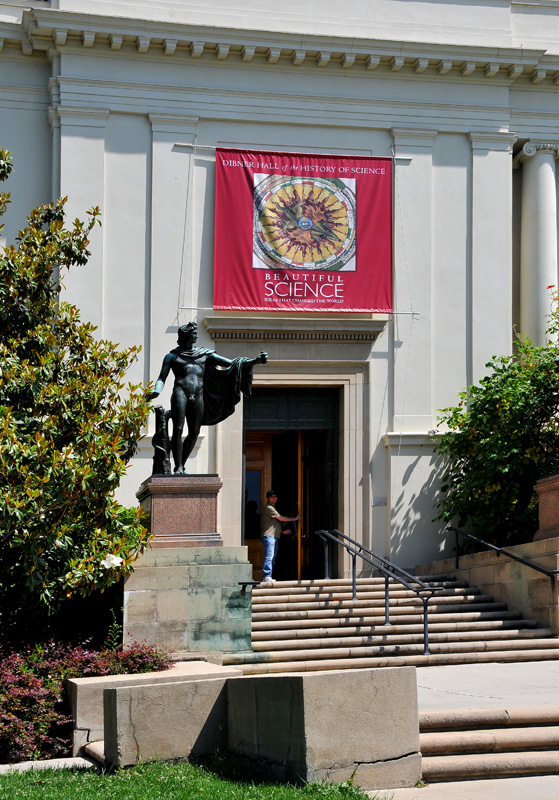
{"points": [[269, 522]]}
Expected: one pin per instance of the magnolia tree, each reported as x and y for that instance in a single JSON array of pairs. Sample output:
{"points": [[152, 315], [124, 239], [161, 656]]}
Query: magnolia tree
{"points": [[68, 424], [500, 439]]}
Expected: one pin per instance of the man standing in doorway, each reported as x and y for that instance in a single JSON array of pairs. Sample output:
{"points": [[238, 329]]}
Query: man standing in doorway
{"points": [[270, 531]]}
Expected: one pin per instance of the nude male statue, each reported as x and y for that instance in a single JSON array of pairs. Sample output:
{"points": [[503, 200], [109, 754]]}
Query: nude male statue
{"points": [[207, 387]]}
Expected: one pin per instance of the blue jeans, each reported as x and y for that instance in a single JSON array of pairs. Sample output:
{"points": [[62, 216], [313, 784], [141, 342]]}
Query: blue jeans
{"points": [[270, 552]]}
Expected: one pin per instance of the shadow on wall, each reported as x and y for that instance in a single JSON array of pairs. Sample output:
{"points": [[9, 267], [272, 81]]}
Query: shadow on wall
{"points": [[416, 535]]}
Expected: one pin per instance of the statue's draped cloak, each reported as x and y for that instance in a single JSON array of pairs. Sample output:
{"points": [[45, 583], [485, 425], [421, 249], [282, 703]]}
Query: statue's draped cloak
{"points": [[223, 386]]}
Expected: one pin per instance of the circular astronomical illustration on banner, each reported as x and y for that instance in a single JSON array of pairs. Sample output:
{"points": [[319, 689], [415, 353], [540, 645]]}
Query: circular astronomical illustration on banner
{"points": [[304, 223]]}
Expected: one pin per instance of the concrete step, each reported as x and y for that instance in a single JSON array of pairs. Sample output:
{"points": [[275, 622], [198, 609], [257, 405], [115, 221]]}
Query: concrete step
{"points": [[336, 627], [288, 611], [261, 667], [316, 625], [366, 651], [467, 718], [335, 584], [268, 597], [487, 740], [474, 742], [489, 764], [394, 637], [313, 619]]}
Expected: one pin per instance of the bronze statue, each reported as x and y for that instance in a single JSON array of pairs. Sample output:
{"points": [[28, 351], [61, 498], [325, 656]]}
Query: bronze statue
{"points": [[206, 390]]}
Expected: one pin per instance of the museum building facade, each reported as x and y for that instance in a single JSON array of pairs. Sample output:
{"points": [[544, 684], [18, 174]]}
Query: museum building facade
{"points": [[124, 105]]}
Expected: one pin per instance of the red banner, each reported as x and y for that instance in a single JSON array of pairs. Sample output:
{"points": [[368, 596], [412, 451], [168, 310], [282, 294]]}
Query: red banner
{"points": [[302, 232]]}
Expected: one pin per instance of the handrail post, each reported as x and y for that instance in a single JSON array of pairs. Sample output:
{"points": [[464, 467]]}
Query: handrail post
{"points": [[386, 600], [326, 559], [457, 554], [425, 626], [354, 573]]}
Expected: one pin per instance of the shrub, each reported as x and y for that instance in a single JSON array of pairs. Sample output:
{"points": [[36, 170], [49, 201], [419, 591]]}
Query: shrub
{"points": [[34, 719], [68, 427], [501, 438]]}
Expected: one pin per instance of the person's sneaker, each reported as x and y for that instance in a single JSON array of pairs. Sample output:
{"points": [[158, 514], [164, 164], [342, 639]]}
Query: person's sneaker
{"points": [[267, 579]]}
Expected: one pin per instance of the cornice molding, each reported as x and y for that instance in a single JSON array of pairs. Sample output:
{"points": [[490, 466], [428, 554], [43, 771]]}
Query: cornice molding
{"points": [[51, 30], [208, 102], [294, 328]]}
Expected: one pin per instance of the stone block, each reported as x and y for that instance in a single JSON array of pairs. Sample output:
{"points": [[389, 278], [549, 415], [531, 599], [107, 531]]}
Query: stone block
{"points": [[175, 589], [166, 578], [286, 723], [540, 592], [217, 575], [173, 636], [184, 605], [185, 557], [164, 721], [234, 604], [141, 605], [211, 635], [86, 694]]}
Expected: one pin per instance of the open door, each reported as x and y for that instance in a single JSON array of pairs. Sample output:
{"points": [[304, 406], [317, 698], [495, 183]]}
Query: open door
{"points": [[301, 465]]}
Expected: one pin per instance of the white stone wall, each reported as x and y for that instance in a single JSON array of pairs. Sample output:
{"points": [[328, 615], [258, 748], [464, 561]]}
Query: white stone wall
{"points": [[103, 102]]}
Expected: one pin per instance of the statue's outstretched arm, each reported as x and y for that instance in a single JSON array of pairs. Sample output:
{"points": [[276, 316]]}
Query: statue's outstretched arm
{"points": [[160, 382], [221, 361]]}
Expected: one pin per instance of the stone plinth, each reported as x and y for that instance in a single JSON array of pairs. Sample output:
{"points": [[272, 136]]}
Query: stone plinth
{"points": [[182, 509], [548, 497], [357, 725], [188, 600]]}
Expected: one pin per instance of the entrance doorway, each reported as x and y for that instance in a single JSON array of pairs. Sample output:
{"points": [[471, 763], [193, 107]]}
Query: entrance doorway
{"points": [[291, 445]]}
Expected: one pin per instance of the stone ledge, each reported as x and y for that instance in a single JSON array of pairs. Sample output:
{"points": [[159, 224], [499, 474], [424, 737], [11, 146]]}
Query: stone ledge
{"points": [[86, 694]]}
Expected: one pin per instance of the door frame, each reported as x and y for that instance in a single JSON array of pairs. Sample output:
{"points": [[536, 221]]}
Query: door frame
{"points": [[354, 448]]}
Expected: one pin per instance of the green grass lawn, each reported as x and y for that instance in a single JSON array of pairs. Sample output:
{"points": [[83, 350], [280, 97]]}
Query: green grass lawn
{"points": [[162, 781]]}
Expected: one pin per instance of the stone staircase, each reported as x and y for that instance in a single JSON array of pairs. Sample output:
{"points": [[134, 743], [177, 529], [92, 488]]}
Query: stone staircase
{"points": [[474, 743], [315, 625]]}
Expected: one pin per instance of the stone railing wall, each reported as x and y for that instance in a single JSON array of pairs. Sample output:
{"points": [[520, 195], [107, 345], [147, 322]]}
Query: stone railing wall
{"points": [[520, 587]]}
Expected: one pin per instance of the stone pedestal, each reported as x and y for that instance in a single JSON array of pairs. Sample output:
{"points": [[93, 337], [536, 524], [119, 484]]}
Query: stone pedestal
{"points": [[548, 496], [182, 509]]}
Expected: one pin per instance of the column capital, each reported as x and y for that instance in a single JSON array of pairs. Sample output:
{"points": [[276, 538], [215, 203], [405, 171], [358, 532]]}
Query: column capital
{"points": [[532, 148], [501, 141], [414, 137]]}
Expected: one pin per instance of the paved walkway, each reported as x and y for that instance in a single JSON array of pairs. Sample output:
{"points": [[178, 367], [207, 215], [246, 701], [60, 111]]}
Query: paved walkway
{"points": [[486, 686]]}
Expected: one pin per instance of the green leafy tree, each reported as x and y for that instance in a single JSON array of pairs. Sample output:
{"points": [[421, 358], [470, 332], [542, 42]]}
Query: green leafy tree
{"points": [[500, 439], [68, 425]]}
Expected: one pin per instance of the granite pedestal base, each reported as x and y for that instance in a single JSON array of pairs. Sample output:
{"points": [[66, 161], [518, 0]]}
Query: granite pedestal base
{"points": [[182, 509], [548, 500], [188, 600]]}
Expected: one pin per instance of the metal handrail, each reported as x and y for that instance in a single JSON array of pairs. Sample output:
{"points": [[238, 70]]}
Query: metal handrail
{"points": [[423, 590], [551, 573]]}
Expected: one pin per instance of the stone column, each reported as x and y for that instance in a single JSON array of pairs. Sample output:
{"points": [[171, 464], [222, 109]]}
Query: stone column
{"points": [[538, 250]]}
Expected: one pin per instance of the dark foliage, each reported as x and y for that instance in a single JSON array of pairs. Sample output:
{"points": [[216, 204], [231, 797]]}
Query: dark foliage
{"points": [[34, 718]]}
